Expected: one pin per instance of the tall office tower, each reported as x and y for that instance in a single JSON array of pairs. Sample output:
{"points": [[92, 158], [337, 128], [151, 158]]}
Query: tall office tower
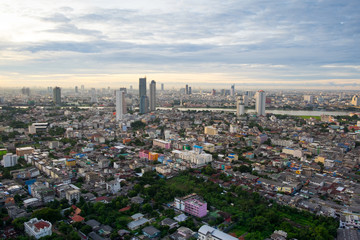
{"points": [[260, 103], [25, 91], [93, 96], [57, 96], [123, 89], [232, 90], [152, 96], [187, 89], [131, 88], [76, 89], [246, 98], [120, 105], [355, 100], [213, 92], [82, 88], [308, 98], [190, 90], [144, 101], [162, 87], [240, 107]]}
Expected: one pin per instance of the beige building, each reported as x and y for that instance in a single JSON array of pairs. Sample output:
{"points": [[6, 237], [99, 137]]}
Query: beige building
{"points": [[210, 130]]}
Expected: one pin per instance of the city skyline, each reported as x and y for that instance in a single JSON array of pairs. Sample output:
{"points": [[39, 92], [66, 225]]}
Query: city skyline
{"points": [[255, 44]]}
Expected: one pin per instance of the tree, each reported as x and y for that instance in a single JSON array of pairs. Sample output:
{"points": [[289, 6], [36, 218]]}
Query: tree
{"points": [[51, 215]]}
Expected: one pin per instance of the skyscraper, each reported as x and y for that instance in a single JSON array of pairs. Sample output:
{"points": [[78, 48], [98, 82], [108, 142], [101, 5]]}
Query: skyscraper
{"points": [[246, 98], [152, 96], [260, 103], [240, 107], [162, 87], [93, 96], [57, 96], [190, 90], [144, 101], [232, 90], [76, 89], [187, 89], [120, 104]]}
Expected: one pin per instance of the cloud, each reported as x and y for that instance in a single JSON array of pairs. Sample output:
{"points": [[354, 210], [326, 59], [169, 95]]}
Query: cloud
{"points": [[293, 42]]}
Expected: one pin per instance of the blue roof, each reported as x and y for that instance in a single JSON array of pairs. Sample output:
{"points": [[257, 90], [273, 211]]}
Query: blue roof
{"points": [[196, 146]]}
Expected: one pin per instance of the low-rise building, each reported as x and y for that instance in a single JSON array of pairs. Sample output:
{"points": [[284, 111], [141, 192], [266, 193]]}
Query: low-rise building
{"points": [[38, 228], [210, 233]]}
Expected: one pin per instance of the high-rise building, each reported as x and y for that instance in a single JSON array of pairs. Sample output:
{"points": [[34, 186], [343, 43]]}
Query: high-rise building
{"points": [[309, 98], [260, 103], [187, 89], [355, 100], [120, 104], [232, 90], [240, 107], [82, 88], [190, 90], [93, 96], [25, 91], [162, 87], [152, 96], [76, 89], [144, 101], [57, 96], [124, 90], [246, 98]]}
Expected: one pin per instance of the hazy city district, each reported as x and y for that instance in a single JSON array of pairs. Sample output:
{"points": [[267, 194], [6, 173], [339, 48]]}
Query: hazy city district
{"points": [[147, 162]]}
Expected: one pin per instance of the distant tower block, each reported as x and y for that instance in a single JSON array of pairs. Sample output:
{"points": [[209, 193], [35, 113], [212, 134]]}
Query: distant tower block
{"points": [[240, 107]]}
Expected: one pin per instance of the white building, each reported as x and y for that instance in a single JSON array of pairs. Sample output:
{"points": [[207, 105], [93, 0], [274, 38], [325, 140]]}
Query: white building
{"points": [[210, 233], [9, 160], [120, 104], [309, 98], [355, 100], [38, 228], [73, 194], [260, 103], [113, 186], [240, 107]]}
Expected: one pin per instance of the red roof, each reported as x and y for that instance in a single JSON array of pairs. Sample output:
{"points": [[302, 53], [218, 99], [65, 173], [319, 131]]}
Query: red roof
{"points": [[77, 218], [125, 209], [101, 199], [41, 224]]}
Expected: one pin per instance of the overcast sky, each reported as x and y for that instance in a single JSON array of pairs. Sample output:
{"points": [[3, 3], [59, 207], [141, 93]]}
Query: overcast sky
{"points": [[252, 43]]}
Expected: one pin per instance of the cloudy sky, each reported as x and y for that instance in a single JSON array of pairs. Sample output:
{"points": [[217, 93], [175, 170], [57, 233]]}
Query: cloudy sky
{"points": [[252, 43]]}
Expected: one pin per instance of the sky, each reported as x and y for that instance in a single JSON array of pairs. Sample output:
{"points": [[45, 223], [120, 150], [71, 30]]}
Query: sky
{"points": [[250, 43]]}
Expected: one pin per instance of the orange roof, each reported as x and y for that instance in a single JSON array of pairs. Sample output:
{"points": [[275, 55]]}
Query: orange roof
{"points": [[41, 224], [77, 218], [125, 209]]}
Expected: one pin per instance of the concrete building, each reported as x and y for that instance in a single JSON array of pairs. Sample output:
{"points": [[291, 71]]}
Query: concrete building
{"points": [[161, 143], [38, 127], [57, 96], [309, 98], [144, 101], [210, 233], [162, 87], [192, 204], [246, 98], [355, 100], [24, 150], [38, 228], [240, 107], [120, 104], [210, 130], [152, 96], [187, 89], [232, 90], [260, 103], [113, 186], [9, 160], [73, 194]]}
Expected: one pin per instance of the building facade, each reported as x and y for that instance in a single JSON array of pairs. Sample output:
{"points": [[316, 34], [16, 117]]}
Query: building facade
{"points": [[152, 96], [9, 160], [38, 228], [120, 104], [260, 103], [144, 101], [57, 96]]}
